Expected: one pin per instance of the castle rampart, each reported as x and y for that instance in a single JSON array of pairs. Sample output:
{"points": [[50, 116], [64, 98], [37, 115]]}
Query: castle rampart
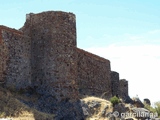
{"points": [[44, 57], [53, 63], [93, 74], [15, 58]]}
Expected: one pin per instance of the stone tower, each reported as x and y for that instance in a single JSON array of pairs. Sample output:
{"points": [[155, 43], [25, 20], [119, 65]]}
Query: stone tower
{"points": [[53, 60], [115, 83], [123, 86]]}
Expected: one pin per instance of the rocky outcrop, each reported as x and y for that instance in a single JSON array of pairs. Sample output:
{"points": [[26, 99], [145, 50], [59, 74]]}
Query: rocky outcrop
{"points": [[121, 108], [137, 103], [147, 101], [96, 108], [141, 113]]}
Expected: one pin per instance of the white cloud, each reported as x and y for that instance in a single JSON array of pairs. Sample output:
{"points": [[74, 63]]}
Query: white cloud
{"points": [[140, 65], [147, 38], [154, 31]]}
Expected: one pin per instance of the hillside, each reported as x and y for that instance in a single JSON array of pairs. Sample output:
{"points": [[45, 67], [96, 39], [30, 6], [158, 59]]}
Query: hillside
{"points": [[12, 107]]}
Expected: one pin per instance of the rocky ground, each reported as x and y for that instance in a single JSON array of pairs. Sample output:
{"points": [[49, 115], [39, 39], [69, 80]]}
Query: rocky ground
{"points": [[12, 108], [100, 109]]}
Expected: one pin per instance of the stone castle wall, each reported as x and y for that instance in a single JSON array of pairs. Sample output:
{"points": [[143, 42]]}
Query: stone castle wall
{"points": [[119, 87], [123, 86], [15, 56], [44, 55], [115, 83], [93, 75]]}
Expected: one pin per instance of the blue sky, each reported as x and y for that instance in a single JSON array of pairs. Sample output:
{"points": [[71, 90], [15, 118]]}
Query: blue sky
{"points": [[127, 32]]}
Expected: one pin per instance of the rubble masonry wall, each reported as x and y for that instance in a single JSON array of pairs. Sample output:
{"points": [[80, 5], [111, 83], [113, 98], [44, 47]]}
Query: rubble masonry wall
{"points": [[93, 75], [15, 56]]}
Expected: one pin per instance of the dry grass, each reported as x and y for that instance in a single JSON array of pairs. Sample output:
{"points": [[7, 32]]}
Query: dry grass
{"points": [[11, 107]]}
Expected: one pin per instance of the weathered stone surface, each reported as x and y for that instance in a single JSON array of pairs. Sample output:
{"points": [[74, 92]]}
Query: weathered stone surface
{"points": [[96, 108], [141, 113], [64, 110], [54, 65], [115, 83], [120, 108], [43, 57], [137, 103], [93, 75], [119, 87], [15, 58], [127, 99], [45, 61], [123, 86], [147, 101], [53, 62]]}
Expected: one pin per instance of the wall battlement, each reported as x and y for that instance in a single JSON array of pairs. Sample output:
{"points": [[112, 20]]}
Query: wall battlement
{"points": [[96, 57], [4, 28], [43, 55], [10, 29]]}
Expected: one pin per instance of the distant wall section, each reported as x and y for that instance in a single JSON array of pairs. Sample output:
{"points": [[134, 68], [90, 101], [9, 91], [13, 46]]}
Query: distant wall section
{"points": [[123, 86], [115, 83]]}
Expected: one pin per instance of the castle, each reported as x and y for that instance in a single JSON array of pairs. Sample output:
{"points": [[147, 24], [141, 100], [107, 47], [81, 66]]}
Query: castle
{"points": [[43, 55]]}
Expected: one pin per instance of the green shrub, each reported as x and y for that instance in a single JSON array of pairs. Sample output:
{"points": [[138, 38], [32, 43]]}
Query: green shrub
{"points": [[114, 100], [150, 108], [157, 108]]}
